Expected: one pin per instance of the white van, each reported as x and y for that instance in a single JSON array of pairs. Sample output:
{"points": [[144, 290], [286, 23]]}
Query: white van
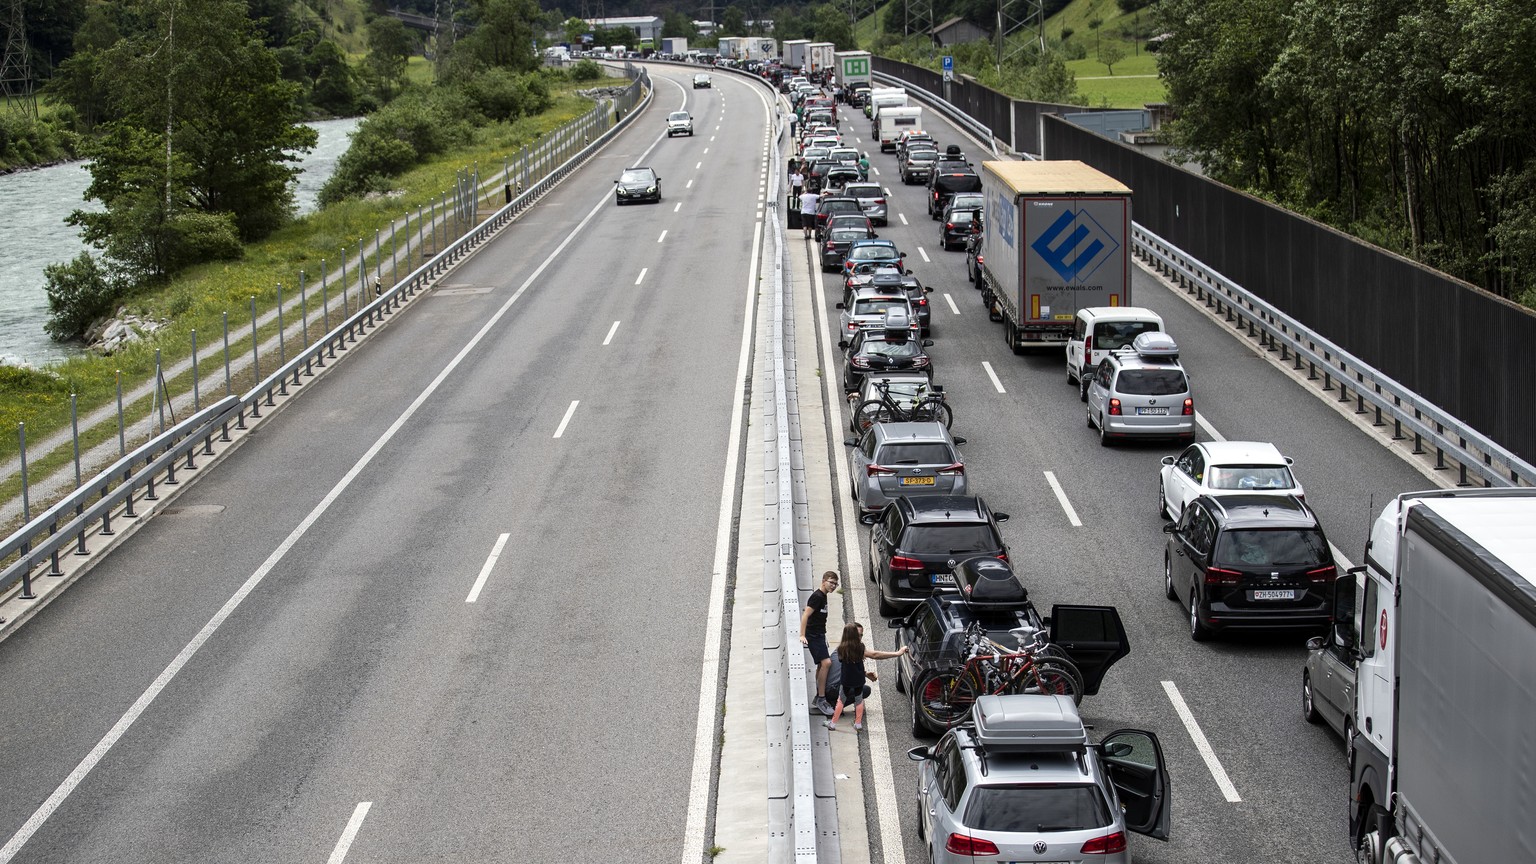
{"points": [[1101, 329]]}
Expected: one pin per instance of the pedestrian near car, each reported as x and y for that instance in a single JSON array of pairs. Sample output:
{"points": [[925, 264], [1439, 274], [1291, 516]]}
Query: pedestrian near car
{"points": [[813, 635], [851, 655], [808, 203], [796, 182]]}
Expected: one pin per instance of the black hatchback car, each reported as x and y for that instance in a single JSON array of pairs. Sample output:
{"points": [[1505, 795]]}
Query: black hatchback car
{"points": [[987, 592], [949, 178], [1254, 561], [914, 544], [883, 351]]}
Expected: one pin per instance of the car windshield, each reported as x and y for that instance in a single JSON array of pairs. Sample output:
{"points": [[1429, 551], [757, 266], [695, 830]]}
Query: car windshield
{"points": [[925, 453], [862, 191], [1037, 808], [963, 215], [1265, 547], [840, 207], [1257, 478], [871, 252], [950, 539], [1151, 382], [636, 176], [678, 115], [901, 392], [878, 305], [1110, 335], [847, 235], [957, 183], [922, 156], [892, 348]]}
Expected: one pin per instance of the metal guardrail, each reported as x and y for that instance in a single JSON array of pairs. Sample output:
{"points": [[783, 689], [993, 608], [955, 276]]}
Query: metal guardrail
{"points": [[1477, 458], [48, 533]]}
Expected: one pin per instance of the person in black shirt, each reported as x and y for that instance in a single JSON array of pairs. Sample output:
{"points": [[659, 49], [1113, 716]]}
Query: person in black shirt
{"points": [[813, 635]]}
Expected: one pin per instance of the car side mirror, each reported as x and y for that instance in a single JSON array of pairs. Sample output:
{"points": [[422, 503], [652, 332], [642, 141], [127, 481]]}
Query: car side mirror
{"points": [[1118, 749], [895, 623], [869, 518], [923, 754], [840, 306], [1167, 460], [1315, 643], [615, 182], [850, 442], [842, 343], [927, 343], [1170, 528], [874, 236], [908, 273], [959, 440], [1000, 517], [927, 289]]}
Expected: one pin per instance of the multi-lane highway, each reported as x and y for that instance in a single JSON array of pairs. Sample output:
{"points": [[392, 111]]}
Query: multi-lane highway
{"points": [[452, 603]]}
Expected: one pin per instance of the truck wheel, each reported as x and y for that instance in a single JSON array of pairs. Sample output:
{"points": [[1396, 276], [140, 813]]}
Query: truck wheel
{"points": [[1308, 708]]}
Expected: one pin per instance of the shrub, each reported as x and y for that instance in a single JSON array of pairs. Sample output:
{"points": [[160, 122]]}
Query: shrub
{"points": [[194, 237], [586, 70], [79, 292]]}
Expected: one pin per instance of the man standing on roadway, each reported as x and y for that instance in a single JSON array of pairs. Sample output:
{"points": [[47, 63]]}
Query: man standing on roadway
{"points": [[808, 203], [813, 635]]}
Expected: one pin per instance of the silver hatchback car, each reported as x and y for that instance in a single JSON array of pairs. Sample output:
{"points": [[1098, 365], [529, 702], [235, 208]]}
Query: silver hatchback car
{"points": [[1142, 392], [893, 460], [871, 201], [1024, 783]]}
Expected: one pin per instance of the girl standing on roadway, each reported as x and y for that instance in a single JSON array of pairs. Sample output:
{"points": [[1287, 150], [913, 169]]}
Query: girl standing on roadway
{"points": [[851, 653]]}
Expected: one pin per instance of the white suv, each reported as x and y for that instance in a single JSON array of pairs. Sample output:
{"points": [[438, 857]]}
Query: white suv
{"points": [[679, 123]]}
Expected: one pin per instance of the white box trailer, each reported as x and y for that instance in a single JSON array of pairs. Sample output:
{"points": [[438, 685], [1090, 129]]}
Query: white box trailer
{"points": [[1446, 681], [888, 97], [1057, 237], [674, 45], [850, 68], [795, 53], [821, 55], [761, 48], [733, 47]]}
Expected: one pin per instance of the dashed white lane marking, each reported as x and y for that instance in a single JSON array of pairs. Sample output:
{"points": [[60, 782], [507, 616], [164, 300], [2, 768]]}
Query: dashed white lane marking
{"points": [[663, 234], [876, 170], [560, 430], [902, 217], [952, 307], [490, 563], [1202, 746], [641, 277], [1061, 495], [711, 138], [611, 330], [993, 375], [689, 185], [677, 207], [1207, 427], [349, 833], [924, 252], [706, 153], [698, 166]]}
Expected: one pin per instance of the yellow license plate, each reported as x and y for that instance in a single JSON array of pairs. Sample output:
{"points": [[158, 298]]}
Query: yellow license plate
{"points": [[917, 481]]}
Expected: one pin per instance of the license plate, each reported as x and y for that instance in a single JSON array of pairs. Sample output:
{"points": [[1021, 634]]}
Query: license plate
{"points": [[942, 579], [1156, 412], [1276, 594], [917, 481]]}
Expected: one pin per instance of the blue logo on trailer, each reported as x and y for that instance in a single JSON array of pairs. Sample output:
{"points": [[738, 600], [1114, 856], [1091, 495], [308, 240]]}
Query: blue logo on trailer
{"points": [[1075, 245], [1003, 218]]}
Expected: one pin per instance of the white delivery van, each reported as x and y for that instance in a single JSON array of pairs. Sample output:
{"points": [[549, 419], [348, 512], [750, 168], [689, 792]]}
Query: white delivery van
{"points": [[1097, 330]]}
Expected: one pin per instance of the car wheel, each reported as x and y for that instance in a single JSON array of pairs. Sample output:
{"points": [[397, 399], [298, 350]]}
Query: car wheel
{"points": [[1168, 588], [1103, 432], [1070, 379], [1089, 414], [1082, 388], [1162, 500], [918, 730], [1197, 631], [887, 609], [1308, 707]]}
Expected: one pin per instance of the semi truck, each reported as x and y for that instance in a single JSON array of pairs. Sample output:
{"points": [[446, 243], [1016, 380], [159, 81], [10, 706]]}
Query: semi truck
{"points": [[850, 68], [1440, 750], [820, 56], [795, 53], [675, 46], [1057, 236], [761, 48]]}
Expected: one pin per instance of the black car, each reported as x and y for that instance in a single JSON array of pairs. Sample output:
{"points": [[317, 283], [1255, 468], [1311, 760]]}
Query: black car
{"points": [[883, 351], [958, 226], [915, 541], [637, 184], [987, 592], [1257, 561], [817, 172], [949, 178], [834, 248]]}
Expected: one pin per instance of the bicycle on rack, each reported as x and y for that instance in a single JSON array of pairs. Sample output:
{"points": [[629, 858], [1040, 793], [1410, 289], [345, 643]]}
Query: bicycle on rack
{"points": [[926, 405], [945, 696]]}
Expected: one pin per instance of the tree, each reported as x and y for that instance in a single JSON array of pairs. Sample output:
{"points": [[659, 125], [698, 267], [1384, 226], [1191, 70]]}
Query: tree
{"points": [[733, 22], [502, 38], [334, 90], [1110, 53], [78, 81], [678, 24], [832, 25], [389, 51]]}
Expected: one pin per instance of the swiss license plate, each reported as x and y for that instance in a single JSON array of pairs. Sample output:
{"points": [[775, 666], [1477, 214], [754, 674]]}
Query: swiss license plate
{"points": [[917, 481], [1275, 594], [942, 579], [1155, 412]]}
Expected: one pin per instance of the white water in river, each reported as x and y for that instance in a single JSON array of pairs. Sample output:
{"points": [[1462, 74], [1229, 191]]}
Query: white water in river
{"points": [[33, 235]]}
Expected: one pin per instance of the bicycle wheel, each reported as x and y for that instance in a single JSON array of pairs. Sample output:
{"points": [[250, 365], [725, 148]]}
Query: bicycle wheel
{"points": [[939, 410], [934, 694], [1054, 676], [870, 412]]}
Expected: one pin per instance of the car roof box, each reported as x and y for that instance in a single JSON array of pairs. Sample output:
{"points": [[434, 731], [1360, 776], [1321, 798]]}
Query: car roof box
{"points": [[989, 581], [1028, 723], [1156, 344]]}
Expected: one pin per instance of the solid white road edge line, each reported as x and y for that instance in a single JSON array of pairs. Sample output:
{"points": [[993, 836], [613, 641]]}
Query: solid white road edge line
{"points": [[993, 375], [1061, 495], [1201, 744], [560, 430], [704, 723], [952, 307], [892, 843], [349, 833], [147, 698], [485, 571], [611, 330]]}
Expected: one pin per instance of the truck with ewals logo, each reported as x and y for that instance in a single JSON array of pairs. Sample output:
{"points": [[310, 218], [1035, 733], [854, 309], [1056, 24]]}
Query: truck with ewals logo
{"points": [[1058, 239], [1442, 636]]}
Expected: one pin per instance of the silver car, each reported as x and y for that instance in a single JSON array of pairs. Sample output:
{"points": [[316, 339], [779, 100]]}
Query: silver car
{"points": [[1142, 392], [871, 201], [1328, 679], [869, 308], [893, 460], [903, 388], [679, 123], [1026, 784]]}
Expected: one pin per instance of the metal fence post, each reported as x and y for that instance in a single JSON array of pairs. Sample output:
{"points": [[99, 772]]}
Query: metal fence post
{"points": [[343, 283], [159, 388], [197, 401], [26, 514], [282, 346], [74, 433], [228, 386], [122, 441]]}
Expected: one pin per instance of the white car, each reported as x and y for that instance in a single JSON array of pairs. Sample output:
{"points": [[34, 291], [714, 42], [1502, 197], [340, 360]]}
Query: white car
{"points": [[679, 123], [1223, 468]]}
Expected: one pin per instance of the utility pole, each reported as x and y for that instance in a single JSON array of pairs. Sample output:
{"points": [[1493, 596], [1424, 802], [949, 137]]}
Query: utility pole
{"points": [[16, 68], [1013, 16]]}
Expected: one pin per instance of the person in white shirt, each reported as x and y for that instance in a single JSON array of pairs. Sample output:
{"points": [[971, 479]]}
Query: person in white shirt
{"points": [[808, 203]]}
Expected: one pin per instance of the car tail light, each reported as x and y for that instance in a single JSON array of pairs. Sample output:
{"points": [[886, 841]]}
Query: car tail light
{"points": [[1189, 407], [951, 470], [923, 302], [902, 562], [879, 200], [1087, 341], [853, 326], [859, 362], [980, 260], [1109, 844], [920, 362], [1114, 406], [1002, 556], [949, 226], [1323, 574], [879, 470], [1218, 576], [964, 844]]}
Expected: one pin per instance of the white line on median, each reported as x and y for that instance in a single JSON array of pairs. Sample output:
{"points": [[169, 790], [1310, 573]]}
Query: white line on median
{"points": [[349, 833], [1202, 745], [951, 301], [993, 375], [611, 330], [560, 430], [490, 562], [1061, 495], [902, 217], [641, 277], [664, 234]]}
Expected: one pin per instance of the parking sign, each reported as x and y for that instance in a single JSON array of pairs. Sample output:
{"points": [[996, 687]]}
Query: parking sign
{"points": [[949, 68]]}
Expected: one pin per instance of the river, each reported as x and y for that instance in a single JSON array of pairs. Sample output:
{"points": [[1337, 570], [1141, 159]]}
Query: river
{"points": [[34, 235]]}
